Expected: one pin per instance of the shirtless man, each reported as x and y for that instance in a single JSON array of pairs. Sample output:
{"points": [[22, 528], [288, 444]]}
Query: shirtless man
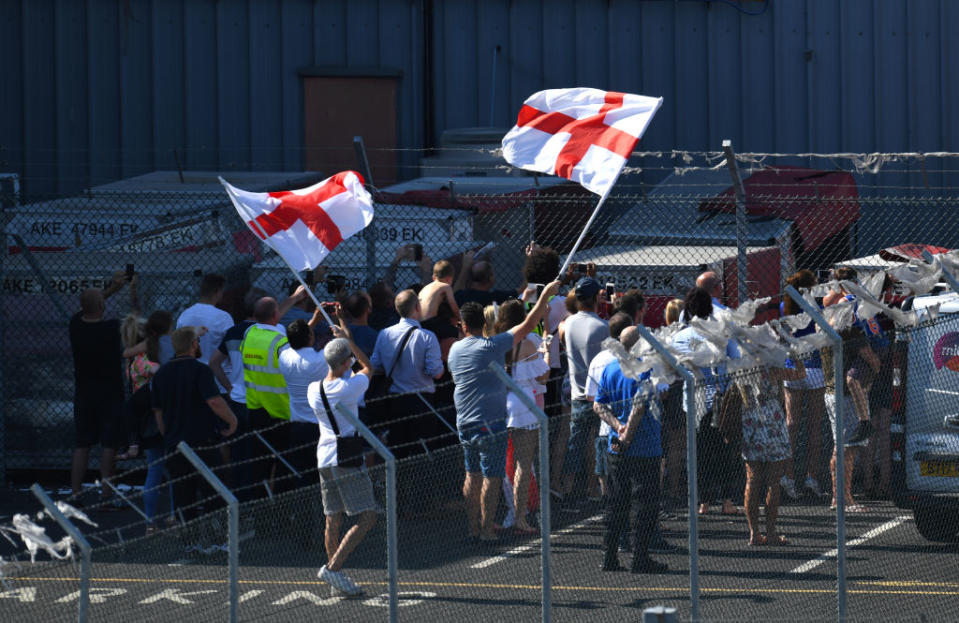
{"points": [[441, 288]]}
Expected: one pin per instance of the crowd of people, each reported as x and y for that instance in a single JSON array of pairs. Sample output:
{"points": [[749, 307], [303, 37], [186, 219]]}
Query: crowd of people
{"points": [[283, 386]]}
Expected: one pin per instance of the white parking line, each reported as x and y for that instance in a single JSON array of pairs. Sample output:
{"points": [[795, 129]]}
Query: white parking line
{"points": [[889, 525], [942, 391], [489, 562]]}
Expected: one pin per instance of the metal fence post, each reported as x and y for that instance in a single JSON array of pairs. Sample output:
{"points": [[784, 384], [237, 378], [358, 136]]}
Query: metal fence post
{"points": [[840, 449], [660, 614], [233, 521], [4, 409], [79, 539], [740, 193], [392, 549], [689, 383], [544, 501]]}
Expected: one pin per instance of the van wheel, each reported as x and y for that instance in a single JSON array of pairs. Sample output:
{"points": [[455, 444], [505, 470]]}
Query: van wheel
{"points": [[936, 524]]}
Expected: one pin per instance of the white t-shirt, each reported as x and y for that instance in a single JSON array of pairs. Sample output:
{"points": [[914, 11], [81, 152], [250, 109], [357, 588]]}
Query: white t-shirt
{"points": [[300, 368], [340, 391], [593, 376], [217, 323]]}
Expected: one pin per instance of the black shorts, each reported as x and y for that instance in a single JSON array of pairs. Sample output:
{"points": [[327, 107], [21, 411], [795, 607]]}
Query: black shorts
{"points": [[274, 430], [673, 415], [553, 405], [98, 420]]}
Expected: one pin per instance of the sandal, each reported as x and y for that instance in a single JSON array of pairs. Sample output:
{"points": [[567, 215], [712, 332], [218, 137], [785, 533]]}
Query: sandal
{"points": [[757, 541]]}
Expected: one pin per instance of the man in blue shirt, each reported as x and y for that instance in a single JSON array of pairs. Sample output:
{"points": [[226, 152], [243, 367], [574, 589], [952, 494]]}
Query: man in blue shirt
{"points": [[635, 448], [413, 369], [480, 400]]}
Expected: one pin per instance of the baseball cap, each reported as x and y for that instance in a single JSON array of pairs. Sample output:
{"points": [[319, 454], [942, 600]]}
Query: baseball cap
{"points": [[587, 287]]}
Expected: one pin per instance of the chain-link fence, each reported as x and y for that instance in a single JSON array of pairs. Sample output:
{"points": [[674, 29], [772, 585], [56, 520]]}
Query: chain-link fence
{"points": [[657, 239]]}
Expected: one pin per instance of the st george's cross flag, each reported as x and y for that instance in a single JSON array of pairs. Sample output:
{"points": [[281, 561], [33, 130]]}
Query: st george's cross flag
{"points": [[585, 135], [304, 225]]}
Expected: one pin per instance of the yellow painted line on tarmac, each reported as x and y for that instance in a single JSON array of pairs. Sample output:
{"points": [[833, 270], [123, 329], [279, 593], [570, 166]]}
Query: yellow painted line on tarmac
{"points": [[907, 583], [537, 587]]}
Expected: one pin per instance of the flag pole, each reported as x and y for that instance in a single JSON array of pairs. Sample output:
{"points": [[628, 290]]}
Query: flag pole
{"points": [[602, 200], [260, 233]]}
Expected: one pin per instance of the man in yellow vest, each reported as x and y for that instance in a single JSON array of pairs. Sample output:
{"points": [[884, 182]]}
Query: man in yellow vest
{"points": [[267, 400]]}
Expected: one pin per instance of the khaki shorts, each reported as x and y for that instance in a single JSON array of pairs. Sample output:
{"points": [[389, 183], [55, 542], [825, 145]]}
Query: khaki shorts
{"points": [[346, 490]]}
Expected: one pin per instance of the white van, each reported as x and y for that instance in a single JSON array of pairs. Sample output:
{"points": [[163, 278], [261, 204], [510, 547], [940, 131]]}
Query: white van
{"points": [[925, 433]]}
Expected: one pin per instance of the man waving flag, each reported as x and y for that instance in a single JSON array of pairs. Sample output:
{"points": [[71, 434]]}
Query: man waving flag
{"points": [[582, 134], [304, 225], [585, 135]]}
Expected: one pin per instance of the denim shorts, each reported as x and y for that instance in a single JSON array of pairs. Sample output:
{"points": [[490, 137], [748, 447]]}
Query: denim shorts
{"points": [[484, 452], [583, 424], [602, 463]]}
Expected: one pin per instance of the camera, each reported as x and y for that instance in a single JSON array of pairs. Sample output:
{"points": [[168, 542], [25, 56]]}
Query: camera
{"points": [[580, 268], [335, 283]]}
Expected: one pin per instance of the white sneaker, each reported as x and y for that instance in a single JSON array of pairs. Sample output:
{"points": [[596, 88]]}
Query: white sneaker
{"points": [[812, 486], [789, 486], [339, 582]]}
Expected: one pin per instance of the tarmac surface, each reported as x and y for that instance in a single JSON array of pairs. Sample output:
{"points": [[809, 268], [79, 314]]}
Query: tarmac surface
{"points": [[893, 573]]}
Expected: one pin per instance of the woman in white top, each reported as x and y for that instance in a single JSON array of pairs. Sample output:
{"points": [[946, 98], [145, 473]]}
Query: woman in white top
{"points": [[528, 364]]}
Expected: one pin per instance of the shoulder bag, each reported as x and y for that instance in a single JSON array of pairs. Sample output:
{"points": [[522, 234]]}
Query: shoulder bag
{"points": [[380, 383], [349, 450]]}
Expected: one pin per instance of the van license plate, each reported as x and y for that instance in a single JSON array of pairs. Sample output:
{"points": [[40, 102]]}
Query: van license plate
{"points": [[943, 469]]}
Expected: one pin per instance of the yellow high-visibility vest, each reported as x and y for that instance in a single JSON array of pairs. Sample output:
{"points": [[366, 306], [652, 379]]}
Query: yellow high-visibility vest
{"points": [[265, 385]]}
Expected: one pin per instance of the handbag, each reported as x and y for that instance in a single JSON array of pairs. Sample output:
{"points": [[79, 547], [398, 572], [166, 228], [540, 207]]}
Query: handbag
{"points": [[380, 384], [731, 416], [349, 450]]}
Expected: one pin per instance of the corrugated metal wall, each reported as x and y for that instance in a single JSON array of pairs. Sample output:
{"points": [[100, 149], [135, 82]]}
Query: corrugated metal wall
{"points": [[94, 90]]}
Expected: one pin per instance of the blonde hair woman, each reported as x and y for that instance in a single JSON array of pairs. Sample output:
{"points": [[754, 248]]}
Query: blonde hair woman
{"points": [[529, 367], [673, 311]]}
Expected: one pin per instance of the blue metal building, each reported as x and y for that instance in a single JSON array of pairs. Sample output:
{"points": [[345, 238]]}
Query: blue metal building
{"points": [[95, 90]]}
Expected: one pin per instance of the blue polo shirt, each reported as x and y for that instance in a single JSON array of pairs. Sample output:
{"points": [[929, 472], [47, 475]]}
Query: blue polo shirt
{"points": [[617, 390]]}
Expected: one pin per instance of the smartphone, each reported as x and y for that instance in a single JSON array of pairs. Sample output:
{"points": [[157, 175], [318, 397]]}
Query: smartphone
{"points": [[610, 290], [309, 278], [130, 272], [197, 272], [417, 253], [581, 269], [537, 289]]}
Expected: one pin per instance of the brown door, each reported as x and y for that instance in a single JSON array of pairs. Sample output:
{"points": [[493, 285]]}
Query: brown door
{"points": [[337, 108]]}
